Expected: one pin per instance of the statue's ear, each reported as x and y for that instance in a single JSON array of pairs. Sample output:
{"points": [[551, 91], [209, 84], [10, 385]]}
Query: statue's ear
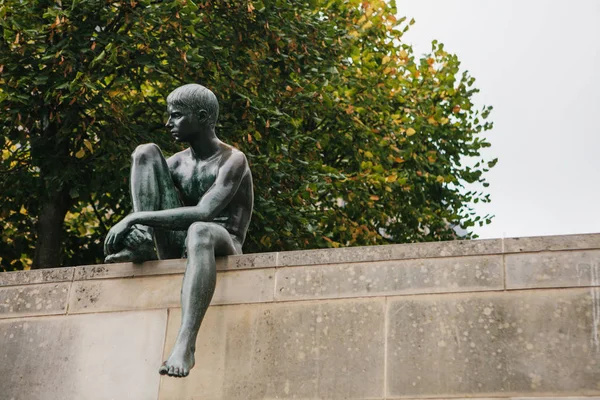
{"points": [[202, 116]]}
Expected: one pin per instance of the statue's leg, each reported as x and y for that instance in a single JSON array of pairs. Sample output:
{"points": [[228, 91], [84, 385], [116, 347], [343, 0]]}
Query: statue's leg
{"points": [[152, 189], [205, 240]]}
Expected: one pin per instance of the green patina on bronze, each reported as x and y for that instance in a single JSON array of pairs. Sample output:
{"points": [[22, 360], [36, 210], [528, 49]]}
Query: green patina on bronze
{"points": [[197, 203]]}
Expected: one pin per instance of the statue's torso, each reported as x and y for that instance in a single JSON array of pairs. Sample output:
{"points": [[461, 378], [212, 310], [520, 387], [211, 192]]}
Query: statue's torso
{"points": [[193, 178]]}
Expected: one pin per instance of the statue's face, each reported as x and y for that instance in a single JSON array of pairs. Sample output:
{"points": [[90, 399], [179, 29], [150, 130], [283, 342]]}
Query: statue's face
{"points": [[182, 123]]}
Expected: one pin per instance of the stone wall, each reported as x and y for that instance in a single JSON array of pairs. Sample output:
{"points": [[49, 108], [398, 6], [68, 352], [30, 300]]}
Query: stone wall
{"points": [[510, 318]]}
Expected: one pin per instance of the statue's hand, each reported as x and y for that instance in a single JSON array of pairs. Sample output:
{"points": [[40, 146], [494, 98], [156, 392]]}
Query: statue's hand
{"points": [[137, 237], [115, 236]]}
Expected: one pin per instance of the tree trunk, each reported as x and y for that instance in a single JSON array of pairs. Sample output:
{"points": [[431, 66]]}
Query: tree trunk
{"points": [[49, 231]]}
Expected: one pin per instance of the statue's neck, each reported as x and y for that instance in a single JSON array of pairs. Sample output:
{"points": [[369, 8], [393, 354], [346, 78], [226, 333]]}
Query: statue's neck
{"points": [[205, 146]]}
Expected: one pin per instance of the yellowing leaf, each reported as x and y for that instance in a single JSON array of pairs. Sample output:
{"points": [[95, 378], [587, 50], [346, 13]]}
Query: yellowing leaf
{"points": [[385, 60], [391, 178], [374, 197], [410, 132], [440, 179], [23, 210], [80, 153], [403, 54], [88, 144], [367, 25]]}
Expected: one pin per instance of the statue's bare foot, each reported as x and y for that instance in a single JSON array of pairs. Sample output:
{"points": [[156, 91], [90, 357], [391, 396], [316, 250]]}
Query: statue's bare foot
{"points": [[180, 362], [145, 253]]}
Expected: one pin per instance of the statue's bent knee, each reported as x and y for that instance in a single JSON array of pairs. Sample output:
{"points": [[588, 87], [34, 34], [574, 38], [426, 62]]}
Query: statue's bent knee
{"points": [[198, 234], [146, 153]]}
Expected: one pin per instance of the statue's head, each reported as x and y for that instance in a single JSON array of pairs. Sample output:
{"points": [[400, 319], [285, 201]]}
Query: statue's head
{"points": [[198, 100]]}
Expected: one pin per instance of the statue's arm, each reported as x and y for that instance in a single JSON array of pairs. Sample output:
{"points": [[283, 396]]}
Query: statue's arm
{"points": [[211, 204]]}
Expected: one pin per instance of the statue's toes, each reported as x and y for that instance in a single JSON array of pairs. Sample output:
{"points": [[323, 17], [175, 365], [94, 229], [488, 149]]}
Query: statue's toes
{"points": [[163, 370]]}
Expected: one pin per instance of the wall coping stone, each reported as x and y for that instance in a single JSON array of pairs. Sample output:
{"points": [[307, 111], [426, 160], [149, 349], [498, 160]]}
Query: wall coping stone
{"points": [[456, 248]]}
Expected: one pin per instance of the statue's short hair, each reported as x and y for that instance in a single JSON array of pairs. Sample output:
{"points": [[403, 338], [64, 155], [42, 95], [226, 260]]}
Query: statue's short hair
{"points": [[196, 97]]}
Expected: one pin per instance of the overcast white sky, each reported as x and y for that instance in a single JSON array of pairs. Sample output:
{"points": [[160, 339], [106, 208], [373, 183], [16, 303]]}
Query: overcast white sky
{"points": [[538, 63]]}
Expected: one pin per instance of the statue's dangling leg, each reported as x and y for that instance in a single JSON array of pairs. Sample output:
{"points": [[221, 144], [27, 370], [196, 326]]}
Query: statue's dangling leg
{"points": [[152, 189], [204, 241]]}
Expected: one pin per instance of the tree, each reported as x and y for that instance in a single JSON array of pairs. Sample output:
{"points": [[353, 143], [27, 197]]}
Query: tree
{"points": [[352, 140]]}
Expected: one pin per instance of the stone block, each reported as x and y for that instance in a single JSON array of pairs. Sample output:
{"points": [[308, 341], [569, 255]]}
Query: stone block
{"points": [[31, 300], [92, 357], [451, 248], [247, 261], [104, 295], [428, 275], [297, 350], [247, 286], [552, 243], [501, 344], [390, 252], [553, 269], [556, 398], [334, 256], [130, 270], [168, 267], [15, 278], [454, 398], [499, 398]]}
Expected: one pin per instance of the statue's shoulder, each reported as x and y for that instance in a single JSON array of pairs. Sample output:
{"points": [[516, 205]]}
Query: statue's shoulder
{"points": [[177, 159], [235, 155]]}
